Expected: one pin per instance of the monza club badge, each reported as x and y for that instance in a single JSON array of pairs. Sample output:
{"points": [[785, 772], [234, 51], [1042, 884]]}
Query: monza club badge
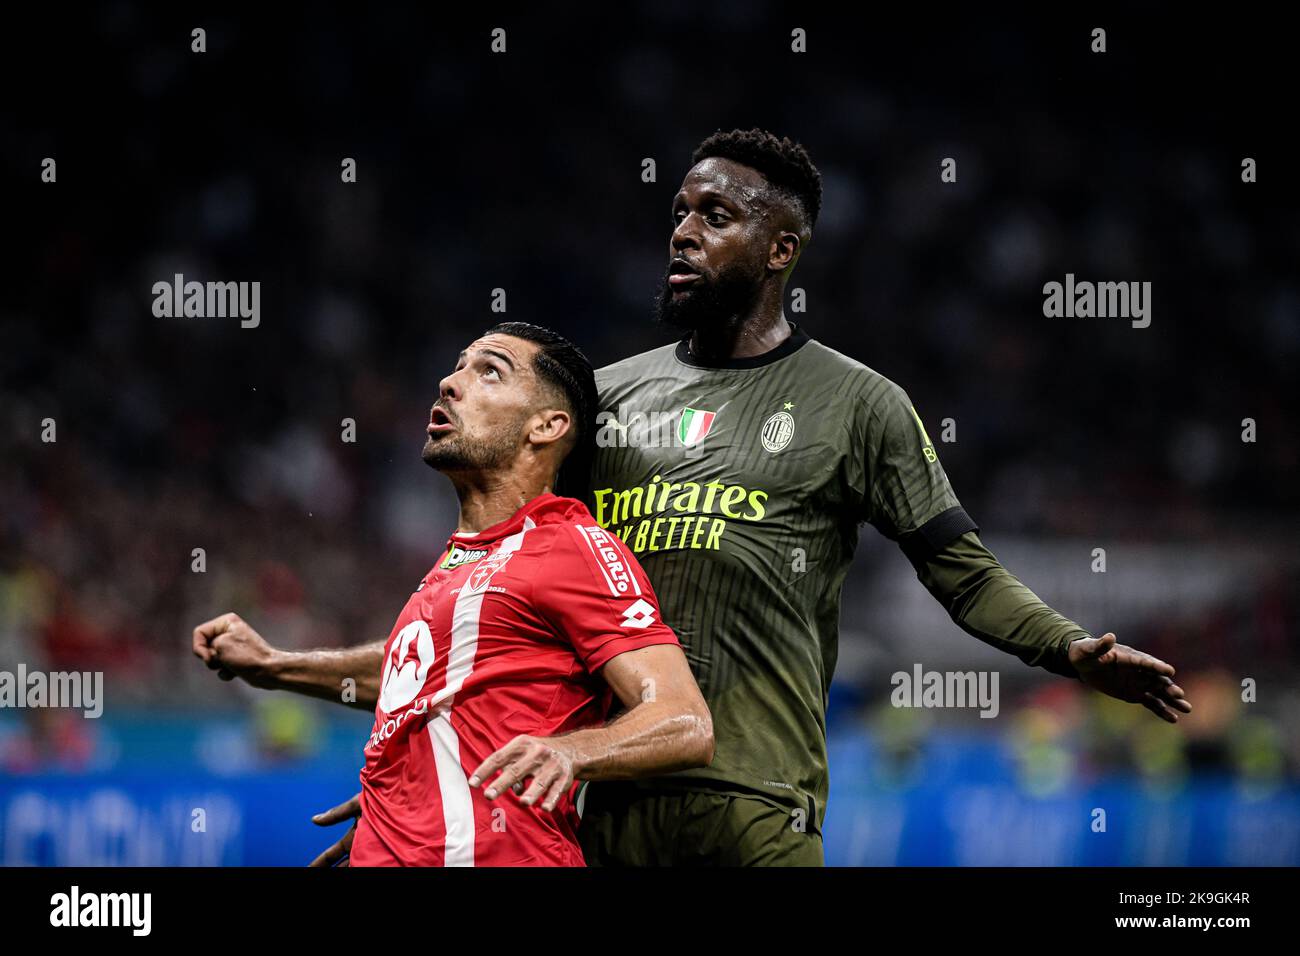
{"points": [[694, 425], [487, 567]]}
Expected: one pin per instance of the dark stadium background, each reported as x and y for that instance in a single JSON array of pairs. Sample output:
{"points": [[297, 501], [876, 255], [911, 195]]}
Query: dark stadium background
{"points": [[522, 171]]}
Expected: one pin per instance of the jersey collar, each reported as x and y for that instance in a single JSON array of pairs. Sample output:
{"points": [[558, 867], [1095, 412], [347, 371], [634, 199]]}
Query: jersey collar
{"points": [[798, 338], [503, 528]]}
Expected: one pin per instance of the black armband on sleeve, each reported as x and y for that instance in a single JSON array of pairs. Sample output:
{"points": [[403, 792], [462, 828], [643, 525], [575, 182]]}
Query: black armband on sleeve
{"points": [[937, 532]]}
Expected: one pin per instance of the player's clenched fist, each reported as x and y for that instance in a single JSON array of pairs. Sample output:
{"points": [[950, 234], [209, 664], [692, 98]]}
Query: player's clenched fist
{"points": [[550, 761], [227, 645]]}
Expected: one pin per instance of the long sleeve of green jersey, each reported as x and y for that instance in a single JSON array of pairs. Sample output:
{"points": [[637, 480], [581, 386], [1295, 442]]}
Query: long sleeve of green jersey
{"points": [[986, 601], [906, 495]]}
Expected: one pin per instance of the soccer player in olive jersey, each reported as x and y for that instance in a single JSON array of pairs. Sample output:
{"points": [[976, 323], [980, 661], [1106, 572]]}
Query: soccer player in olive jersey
{"points": [[738, 465], [747, 525]]}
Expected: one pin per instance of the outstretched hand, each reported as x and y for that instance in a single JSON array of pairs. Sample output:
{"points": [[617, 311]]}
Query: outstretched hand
{"points": [[351, 810], [1128, 674]]}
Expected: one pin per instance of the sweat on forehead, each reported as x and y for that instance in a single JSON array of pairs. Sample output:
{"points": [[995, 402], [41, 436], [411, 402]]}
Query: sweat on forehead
{"points": [[727, 176], [747, 187]]}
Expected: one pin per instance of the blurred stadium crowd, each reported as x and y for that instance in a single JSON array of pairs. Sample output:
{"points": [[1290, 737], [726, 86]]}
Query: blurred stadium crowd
{"points": [[524, 173]]}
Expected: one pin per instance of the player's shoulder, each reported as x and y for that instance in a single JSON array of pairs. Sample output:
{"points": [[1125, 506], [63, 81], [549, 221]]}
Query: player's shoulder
{"points": [[853, 379], [565, 523], [572, 539], [634, 367]]}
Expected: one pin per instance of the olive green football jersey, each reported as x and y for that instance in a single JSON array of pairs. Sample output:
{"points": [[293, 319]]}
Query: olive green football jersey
{"points": [[741, 489]]}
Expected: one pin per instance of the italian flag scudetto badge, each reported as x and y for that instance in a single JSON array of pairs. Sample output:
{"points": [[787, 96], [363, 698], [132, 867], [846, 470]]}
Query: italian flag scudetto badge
{"points": [[694, 425]]}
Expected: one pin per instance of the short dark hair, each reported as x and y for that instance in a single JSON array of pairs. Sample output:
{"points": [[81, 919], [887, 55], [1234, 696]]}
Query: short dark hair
{"points": [[783, 162], [560, 364]]}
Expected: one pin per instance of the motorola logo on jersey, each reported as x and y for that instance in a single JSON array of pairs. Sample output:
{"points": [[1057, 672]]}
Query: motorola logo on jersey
{"points": [[406, 666]]}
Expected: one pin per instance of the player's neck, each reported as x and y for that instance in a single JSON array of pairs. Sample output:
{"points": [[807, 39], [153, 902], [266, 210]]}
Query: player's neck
{"points": [[489, 498], [754, 335]]}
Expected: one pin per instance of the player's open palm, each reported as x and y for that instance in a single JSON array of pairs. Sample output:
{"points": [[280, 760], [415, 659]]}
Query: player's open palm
{"points": [[1130, 675], [547, 761]]}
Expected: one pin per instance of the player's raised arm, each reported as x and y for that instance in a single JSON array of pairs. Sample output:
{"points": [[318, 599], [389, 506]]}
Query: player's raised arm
{"points": [[908, 497], [227, 645], [986, 601]]}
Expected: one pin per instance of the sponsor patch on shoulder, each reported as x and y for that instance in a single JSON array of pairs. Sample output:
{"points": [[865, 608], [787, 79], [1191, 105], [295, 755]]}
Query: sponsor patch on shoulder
{"points": [[610, 560]]}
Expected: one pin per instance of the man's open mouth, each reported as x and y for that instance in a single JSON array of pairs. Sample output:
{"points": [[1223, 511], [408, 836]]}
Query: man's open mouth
{"points": [[439, 422], [681, 273]]}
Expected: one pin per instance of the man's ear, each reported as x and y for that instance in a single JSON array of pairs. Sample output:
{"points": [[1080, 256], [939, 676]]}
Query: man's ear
{"points": [[548, 426], [787, 244]]}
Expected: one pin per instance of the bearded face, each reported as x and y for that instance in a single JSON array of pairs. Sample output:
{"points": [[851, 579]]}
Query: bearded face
{"points": [[711, 299], [491, 445], [719, 247]]}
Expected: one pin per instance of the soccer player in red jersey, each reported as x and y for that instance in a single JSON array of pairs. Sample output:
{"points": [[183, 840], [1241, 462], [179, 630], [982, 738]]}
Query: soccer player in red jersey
{"points": [[499, 674]]}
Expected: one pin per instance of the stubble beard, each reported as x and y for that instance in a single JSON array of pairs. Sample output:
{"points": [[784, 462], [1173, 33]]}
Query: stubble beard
{"points": [[458, 452]]}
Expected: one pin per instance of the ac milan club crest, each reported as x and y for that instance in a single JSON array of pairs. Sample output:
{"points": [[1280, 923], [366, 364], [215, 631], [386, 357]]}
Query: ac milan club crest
{"points": [[777, 431]]}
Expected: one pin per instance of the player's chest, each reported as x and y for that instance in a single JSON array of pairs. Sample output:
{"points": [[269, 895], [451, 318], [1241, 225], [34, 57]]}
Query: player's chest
{"points": [[473, 610], [478, 584], [717, 450]]}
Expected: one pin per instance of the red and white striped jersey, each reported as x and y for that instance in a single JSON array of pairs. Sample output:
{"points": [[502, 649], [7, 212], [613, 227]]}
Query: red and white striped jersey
{"points": [[505, 636]]}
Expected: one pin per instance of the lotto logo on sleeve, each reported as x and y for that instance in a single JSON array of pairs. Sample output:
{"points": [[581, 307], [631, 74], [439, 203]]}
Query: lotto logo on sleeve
{"points": [[609, 558], [639, 614]]}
